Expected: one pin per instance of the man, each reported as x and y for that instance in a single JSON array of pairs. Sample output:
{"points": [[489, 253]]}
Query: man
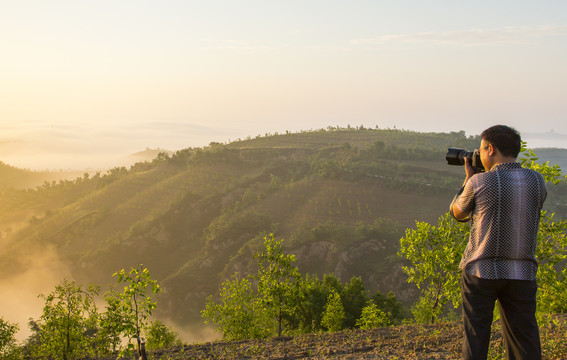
{"points": [[499, 263]]}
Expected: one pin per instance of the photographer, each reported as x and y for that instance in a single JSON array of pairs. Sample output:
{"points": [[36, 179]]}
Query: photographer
{"points": [[499, 263]]}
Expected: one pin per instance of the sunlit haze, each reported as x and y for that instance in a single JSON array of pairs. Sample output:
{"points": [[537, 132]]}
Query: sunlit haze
{"points": [[83, 83]]}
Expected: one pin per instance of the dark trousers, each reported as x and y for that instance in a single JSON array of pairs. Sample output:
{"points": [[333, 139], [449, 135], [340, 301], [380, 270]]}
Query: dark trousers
{"points": [[517, 305]]}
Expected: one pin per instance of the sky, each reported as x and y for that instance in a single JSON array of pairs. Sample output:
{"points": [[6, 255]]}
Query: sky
{"points": [[83, 83]]}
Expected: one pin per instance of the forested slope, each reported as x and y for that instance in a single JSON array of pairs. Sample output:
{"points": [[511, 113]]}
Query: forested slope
{"points": [[341, 199]]}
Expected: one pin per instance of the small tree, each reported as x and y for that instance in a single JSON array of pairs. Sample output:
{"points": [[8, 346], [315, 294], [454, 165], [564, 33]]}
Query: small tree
{"points": [[309, 303], [277, 278], [112, 322], [373, 317], [161, 336], [389, 304], [68, 314], [354, 297], [551, 254], [239, 314], [334, 314], [136, 304], [7, 339], [434, 254]]}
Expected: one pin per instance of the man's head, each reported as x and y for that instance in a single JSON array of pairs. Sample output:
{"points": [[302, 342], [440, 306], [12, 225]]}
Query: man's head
{"points": [[500, 143], [504, 138]]}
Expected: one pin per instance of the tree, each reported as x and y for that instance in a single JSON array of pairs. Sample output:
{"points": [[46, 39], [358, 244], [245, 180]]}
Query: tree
{"points": [[135, 303], [239, 314], [434, 254], [69, 313], [354, 297], [334, 314], [390, 305], [7, 338], [372, 317], [309, 303], [277, 277], [112, 322], [551, 254]]}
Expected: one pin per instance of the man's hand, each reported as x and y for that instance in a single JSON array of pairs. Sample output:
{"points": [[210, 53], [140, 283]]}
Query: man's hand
{"points": [[469, 170]]}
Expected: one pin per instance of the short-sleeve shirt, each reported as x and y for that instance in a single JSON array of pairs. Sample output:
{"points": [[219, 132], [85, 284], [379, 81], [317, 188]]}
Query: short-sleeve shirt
{"points": [[505, 205]]}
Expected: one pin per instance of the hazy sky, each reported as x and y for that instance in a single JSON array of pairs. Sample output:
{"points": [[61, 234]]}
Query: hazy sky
{"points": [[85, 82]]}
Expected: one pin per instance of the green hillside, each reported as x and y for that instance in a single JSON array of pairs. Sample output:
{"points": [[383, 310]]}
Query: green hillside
{"points": [[341, 198]]}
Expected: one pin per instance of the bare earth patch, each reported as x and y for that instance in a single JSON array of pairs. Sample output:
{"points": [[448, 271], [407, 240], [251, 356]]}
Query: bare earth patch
{"points": [[415, 342]]}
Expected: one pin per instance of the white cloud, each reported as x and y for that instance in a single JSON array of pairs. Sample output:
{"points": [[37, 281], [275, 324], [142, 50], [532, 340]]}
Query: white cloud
{"points": [[472, 37]]}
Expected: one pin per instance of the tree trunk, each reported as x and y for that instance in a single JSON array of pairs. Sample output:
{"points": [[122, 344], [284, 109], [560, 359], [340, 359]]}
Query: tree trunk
{"points": [[439, 287], [143, 355], [280, 323]]}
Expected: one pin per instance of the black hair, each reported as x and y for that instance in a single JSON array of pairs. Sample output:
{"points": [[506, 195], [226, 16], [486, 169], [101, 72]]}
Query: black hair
{"points": [[506, 139]]}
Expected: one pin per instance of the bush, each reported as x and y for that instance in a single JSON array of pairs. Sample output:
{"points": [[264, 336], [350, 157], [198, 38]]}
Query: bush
{"points": [[373, 317], [160, 336]]}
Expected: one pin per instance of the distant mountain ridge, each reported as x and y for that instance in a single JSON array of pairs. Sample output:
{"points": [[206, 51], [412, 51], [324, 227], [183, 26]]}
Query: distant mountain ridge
{"points": [[341, 199], [12, 176]]}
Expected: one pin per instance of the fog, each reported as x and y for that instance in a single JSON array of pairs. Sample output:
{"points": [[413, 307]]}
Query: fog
{"points": [[21, 299], [80, 147], [77, 147], [19, 302]]}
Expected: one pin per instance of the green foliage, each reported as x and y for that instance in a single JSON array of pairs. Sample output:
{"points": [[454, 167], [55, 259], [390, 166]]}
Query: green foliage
{"points": [[277, 277], [112, 322], [66, 324], [239, 314], [372, 317], [434, 253], [161, 336], [390, 305], [71, 327], [284, 299], [246, 313], [309, 304], [551, 254], [7, 339], [354, 297], [529, 160], [135, 303], [334, 313]]}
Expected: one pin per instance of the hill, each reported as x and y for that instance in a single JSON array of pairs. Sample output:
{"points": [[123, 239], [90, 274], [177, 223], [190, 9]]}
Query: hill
{"points": [[24, 179], [341, 199], [11, 176]]}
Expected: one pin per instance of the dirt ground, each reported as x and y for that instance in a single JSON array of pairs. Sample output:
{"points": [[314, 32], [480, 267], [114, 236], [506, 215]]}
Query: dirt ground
{"points": [[415, 342]]}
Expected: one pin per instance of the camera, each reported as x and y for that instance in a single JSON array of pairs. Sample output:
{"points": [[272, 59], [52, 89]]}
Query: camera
{"points": [[457, 156]]}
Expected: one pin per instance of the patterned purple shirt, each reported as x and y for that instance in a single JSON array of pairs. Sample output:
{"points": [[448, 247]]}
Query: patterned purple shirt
{"points": [[505, 205]]}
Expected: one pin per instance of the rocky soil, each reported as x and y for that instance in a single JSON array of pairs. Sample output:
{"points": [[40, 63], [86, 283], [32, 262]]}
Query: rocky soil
{"points": [[441, 341]]}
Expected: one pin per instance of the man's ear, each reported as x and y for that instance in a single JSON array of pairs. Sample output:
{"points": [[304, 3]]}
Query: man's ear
{"points": [[491, 150]]}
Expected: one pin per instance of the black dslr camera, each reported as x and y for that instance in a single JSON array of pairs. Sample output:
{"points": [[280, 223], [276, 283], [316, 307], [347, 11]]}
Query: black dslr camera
{"points": [[457, 157]]}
